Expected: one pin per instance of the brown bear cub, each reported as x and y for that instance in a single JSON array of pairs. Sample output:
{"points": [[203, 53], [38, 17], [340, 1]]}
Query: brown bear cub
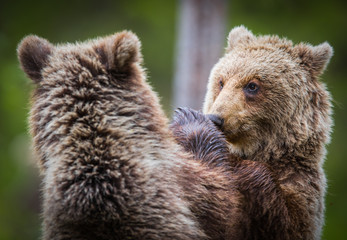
{"points": [[111, 166], [266, 97]]}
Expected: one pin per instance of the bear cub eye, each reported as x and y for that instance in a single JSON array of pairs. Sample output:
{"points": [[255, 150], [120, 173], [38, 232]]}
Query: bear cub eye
{"points": [[221, 84], [252, 87]]}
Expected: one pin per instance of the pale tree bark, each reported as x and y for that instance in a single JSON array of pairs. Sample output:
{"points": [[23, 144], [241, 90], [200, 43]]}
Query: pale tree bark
{"points": [[201, 36]]}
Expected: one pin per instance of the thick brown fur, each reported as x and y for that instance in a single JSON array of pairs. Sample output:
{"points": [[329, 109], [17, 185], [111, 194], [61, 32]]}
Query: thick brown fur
{"points": [[111, 167], [197, 134], [277, 118]]}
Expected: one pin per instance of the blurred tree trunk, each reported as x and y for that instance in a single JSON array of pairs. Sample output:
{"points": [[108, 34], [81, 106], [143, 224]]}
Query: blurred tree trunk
{"points": [[201, 36]]}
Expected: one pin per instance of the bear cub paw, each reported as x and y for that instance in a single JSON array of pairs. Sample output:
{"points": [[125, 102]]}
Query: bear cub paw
{"points": [[198, 133]]}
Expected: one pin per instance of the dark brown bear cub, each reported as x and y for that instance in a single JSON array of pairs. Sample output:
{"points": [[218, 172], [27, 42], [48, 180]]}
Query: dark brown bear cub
{"points": [[111, 167]]}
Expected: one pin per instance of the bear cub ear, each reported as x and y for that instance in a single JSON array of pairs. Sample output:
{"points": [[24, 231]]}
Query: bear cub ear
{"points": [[119, 51], [315, 58], [33, 53], [238, 35]]}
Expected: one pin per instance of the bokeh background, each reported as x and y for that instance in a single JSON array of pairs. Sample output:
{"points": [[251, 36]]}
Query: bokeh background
{"points": [[154, 21]]}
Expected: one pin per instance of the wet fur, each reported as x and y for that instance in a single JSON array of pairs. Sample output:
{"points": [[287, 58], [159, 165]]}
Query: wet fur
{"points": [[197, 134], [110, 165]]}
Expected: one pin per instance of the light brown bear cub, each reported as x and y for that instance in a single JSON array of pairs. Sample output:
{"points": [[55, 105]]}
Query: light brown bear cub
{"points": [[276, 117], [110, 164]]}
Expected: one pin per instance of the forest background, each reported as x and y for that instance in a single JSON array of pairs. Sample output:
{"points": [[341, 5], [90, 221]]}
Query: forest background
{"points": [[156, 24]]}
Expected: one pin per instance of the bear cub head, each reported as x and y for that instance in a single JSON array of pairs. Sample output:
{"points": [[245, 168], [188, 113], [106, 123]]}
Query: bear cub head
{"points": [[267, 95], [85, 89]]}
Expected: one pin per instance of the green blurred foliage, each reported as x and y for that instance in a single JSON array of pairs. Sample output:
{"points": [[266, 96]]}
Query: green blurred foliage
{"points": [[154, 21]]}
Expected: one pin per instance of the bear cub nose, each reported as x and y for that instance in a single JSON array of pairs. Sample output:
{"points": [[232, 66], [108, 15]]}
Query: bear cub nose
{"points": [[218, 121]]}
